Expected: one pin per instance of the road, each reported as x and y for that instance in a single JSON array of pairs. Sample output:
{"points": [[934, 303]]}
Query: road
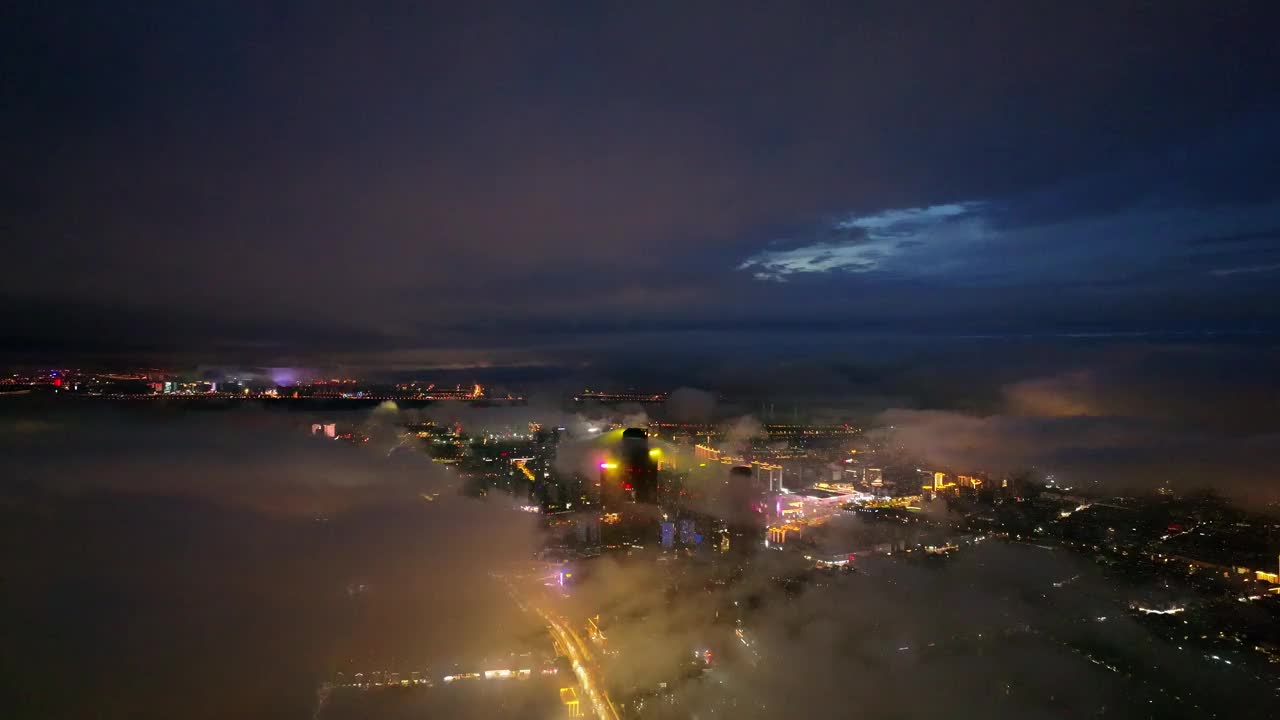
{"points": [[579, 653], [584, 664]]}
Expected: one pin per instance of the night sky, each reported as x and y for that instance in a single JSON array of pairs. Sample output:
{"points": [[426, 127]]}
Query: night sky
{"points": [[1024, 239], [445, 185]]}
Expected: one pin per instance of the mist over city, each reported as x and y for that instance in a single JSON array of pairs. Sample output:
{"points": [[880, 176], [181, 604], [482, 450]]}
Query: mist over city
{"points": [[713, 360]]}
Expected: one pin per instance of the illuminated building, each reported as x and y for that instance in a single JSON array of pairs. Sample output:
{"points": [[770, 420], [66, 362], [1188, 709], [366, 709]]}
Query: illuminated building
{"points": [[1269, 577], [939, 485], [587, 528], [639, 467], [687, 534], [612, 491], [745, 510], [770, 473], [778, 432], [777, 534], [620, 397], [668, 534], [569, 697], [767, 474], [632, 473]]}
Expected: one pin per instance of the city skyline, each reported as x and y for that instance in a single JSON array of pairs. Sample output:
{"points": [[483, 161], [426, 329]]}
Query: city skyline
{"points": [[640, 361]]}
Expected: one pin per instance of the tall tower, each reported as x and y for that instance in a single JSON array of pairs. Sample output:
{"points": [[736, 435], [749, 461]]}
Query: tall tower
{"points": [[639, 469], [744, 515]]}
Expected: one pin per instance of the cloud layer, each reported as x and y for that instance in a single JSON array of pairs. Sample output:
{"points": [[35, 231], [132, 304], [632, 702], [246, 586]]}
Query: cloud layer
{"points": [[1187, 418]]}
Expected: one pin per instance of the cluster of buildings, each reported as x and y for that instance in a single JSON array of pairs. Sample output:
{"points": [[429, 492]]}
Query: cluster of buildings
{"points": [[701, 504], [159, 384], [625, 396]]}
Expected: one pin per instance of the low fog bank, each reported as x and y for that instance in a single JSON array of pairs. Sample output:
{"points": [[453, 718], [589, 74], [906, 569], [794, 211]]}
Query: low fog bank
{"points": [[168, 564], [1002, 631], [223, 565], [1127, 419]]}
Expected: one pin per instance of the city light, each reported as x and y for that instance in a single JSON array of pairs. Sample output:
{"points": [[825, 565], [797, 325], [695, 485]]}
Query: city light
{"points": [[934, 345]]}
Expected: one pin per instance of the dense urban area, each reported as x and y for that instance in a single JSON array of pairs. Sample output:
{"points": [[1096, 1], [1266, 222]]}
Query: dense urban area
{"points": [[711, 360], [730, 518]]}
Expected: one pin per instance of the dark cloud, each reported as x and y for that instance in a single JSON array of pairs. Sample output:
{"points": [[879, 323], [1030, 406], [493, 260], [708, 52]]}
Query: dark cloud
{"points": [[288, 176], [1261, 236]]}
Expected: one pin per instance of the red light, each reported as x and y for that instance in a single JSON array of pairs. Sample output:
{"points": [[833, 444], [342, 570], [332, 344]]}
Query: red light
{"points": [[57, 382], [626, 486], [850, 557]]}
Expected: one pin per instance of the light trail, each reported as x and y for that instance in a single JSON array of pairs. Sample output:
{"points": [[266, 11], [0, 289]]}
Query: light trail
{"points": [[579, 654], [583, 665]]}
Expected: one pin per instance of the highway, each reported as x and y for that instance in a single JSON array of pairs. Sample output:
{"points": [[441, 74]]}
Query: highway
{"points": [[584, 664], [579, 653]]}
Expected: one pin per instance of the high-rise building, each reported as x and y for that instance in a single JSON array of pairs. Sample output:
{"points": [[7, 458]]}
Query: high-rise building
{"points": [[744, 515], [587, 526], [688, 536], [768, 474], [639, 467], [569, 696], [668, 534], [875, 478]]}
